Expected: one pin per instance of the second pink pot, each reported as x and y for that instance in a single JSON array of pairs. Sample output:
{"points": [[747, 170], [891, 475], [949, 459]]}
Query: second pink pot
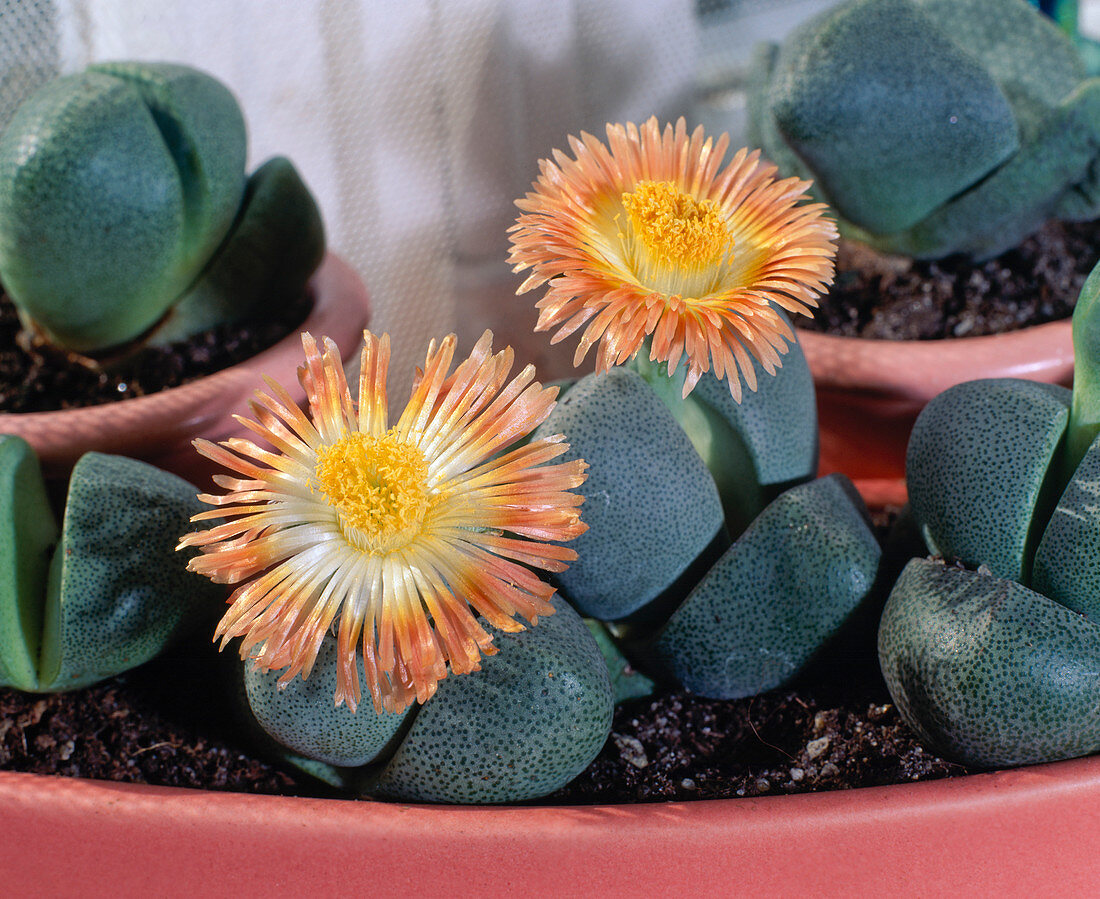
{"points": [[869, 392]]}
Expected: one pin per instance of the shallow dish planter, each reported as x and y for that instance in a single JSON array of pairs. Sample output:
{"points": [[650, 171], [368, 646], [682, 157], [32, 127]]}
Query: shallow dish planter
{"points": [[869, 392], [159, 428], [1017, 830]]}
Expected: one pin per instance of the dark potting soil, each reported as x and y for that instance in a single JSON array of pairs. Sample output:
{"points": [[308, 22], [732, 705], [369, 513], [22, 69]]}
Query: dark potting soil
{"points": [[42, 378], [894, 298], [170, 723]]}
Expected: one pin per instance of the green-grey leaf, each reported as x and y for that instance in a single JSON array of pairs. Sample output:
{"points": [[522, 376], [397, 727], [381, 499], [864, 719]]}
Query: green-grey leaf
{"points": [[530, 721], [265, 262], [115, 185], [118, 591], [1067, 562], [650, 505], [777, 595], [28, 532], [627, 681], [304, 717], [988, 672], [977, 470], [754, 449], [887, 163]]}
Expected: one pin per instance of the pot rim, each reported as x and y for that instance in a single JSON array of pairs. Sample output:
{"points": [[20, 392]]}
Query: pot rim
{"points": [[325, 311], [928, 367], [941, 835]]}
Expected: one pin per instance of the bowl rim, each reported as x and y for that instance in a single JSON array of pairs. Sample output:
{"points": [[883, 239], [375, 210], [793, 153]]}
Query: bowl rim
{"points": [[940, 835]]}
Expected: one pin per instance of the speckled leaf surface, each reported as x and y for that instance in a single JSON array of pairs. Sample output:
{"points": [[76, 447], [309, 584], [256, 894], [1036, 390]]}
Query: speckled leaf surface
{"points": [[777, 595], [933, 126], [885, 163], [976, 466], [28, 532], [1067, 562], [275, 245], [114, 189], [526, 724], [303, 715], [988, 672], [755, 448], [650, 505], [118, 591]]}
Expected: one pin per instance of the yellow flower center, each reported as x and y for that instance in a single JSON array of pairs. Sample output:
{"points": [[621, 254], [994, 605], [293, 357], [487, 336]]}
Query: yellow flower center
{"points": [[676, 228], [379, 488]]}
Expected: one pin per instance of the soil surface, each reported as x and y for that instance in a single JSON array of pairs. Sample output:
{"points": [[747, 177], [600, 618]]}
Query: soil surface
{"points": [[38, 378], [895, 298], [170, 723]]}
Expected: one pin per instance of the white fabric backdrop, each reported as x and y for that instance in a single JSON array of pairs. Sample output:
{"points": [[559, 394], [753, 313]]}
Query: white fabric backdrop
{"points": [[416, 122]]}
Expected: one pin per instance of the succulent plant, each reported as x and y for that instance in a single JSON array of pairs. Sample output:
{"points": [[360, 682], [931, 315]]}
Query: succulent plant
{"points": [[933, 126], [105, 591], [398, 557], [991, 652], [662, 257], [126, 215], [656, 563], [527, 723]]}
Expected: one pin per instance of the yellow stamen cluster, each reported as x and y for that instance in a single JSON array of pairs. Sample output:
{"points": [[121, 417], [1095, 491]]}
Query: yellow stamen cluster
{"points": [[379, 487], [676, 228]]}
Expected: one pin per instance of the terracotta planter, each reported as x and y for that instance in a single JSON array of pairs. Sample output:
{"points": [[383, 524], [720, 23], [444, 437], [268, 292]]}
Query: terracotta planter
{"points": [[869, 392], [1029, 830], [159, 427]]}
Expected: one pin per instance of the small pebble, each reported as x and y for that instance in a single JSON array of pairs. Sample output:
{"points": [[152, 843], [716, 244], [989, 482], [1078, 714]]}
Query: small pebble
{"points": [[631, 749], [815, 749], [797, 774]]}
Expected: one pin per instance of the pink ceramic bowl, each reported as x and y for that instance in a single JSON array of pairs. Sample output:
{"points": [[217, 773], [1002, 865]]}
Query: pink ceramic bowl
{"points": [[1022, 832], [159, 428], [869, 392]]}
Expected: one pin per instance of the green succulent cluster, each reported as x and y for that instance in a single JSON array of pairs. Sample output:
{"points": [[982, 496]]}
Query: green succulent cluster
{"points": [[658, 579], [535, 716], [126, 213], [933, 126], [712, 553], [104, 591], [992, 655]]}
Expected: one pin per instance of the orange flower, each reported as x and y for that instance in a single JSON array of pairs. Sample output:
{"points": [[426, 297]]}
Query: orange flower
{"points": [[646, 236], [397, 531]]}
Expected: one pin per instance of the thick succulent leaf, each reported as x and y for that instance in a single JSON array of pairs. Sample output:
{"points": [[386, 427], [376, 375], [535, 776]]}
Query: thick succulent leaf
{"points": [[1053, 175], [977, 470], [650, 505], [933, 126], [886, 165], [756, 448], [1067, 562], [988, 672], [28, 532], [778, 594], [529, 722], [304, 717], [114, 189], [1032, 60], [265, 262], [204, 130], [118, 591]]}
